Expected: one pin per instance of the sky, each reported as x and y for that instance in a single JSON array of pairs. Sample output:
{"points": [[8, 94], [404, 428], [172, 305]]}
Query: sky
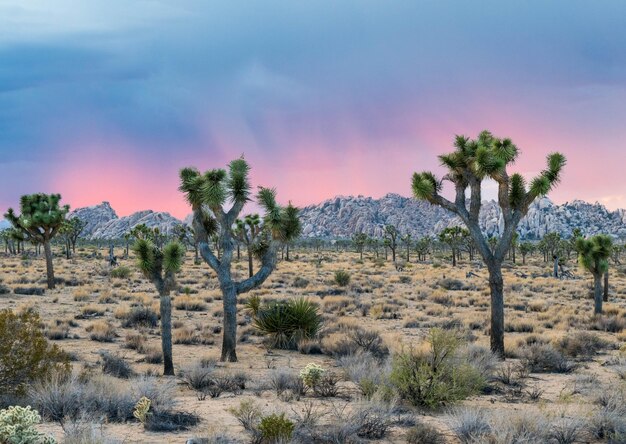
{"points": [[107, 100]]}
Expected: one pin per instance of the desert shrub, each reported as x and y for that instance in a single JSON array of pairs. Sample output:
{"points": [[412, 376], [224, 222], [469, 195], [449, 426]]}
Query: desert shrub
{"points": [[483, 360], [197, 377], [300, 282], [152, 355], [435, 377], [521, 428], [85, 431], [310, 347], [365, 371], [248, 414], [611, 324], [101, 331], [355, 340], [372, 421], [116, 366], [312, 374], [287, 322], [452, 284], [25, 354], [166, 421], [583, 344], [141, 316], [17, 426], [287, 385], [342, 278], [566, 431], [189, 303], [135, 341], [470, 425], [4, 289], [121, 272], [539, 358], [422, 433], [29, 291], [275, 428]]}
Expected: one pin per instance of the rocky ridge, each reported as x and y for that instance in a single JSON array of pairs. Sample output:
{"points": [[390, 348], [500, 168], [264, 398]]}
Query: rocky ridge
{"points": [[342, 216]]}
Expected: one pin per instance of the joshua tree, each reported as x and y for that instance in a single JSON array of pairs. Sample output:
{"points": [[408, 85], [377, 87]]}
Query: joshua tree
{"points": [[208, 193], [422, 247], [71, 230], [359, 240], [406, 239], [526, 248], [160, 266], [246, 231], [455, 238], [473, 161], [391, 239], [593, 255], [40, 221]]}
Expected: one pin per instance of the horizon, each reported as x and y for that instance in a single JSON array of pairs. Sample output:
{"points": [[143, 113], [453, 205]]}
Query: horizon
{"points": [[107, 101]]}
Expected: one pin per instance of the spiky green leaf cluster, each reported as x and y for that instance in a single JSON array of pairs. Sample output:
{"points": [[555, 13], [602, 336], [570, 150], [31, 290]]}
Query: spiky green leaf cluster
{"points": [[173, 254], [425, 185], [238, 184], [594, 253], [550, 177]]}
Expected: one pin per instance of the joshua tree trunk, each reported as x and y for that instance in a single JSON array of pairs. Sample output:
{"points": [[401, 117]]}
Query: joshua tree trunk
{"points": [[597, 293], [556, 266], [165, 303], [287, 252], [250, 263], [49, 268], [453, 257], [496, 285], [606, 287], [229, 339]]}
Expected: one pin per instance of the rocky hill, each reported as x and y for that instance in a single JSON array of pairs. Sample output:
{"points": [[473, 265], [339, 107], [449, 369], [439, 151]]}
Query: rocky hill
{"points": [[342, 216], [103, 222]]}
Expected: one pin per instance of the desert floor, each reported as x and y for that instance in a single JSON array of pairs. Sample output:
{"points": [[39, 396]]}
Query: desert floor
{"points": [[401, 305]]}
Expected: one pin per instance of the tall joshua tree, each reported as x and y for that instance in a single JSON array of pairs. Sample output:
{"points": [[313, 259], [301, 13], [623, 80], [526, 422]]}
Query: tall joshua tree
{"points": [[41, 219], [391, 239], [593, 255], [208, 193], [160, 265], [454, 237], [473, 161], [246, 231]]}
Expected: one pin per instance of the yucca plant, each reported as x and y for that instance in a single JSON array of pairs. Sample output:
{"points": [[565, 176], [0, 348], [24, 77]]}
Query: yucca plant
{"points": [[593, 256], [287, 322], [472, 162], [208, 193], [160, 266]]}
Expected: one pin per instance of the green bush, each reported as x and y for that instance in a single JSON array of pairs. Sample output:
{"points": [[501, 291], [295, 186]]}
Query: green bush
{"points": [[276, 428], [286, 322], [342, 278], [25, 353], [436, 377], [17, 426], [121, 272]]}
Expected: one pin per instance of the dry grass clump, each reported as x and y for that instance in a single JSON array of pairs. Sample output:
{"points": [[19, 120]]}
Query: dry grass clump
{"points": [[189, 303], [101, 331]]}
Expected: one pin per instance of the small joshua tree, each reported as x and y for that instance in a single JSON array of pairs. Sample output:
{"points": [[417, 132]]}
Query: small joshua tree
{"points": [[208, 193], [359, 240], [71, 231], [40, 221], [455, 238], [246, 231], [593, 256], [160, 266], [473, 161], [391, 239]]}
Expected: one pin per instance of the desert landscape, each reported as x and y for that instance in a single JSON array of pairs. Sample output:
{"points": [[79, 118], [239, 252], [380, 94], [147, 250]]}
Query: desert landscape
{"points": [[563, 376], [354, 222]]}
